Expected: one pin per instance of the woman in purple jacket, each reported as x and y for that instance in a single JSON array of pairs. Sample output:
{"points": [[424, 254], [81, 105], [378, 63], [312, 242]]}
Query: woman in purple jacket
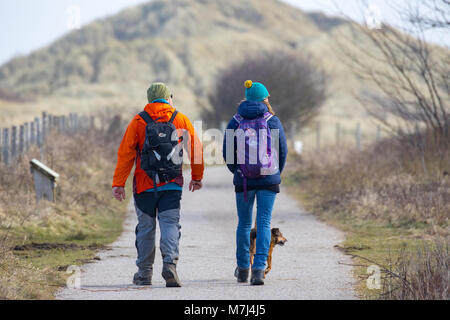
{"points": [[255, 110]]}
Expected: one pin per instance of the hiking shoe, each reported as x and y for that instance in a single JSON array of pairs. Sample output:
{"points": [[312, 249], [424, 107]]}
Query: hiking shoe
{"points": [[257, 278], [169, 274], [241, 274], [142, 281]]}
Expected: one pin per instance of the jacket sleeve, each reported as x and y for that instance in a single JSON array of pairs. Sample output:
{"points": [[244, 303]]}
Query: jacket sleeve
{"points": [[195, 150], [283, 148], [126, 155], [231, 166]]}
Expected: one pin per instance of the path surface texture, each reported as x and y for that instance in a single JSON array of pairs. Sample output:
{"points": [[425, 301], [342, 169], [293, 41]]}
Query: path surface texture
{"points": [[307, 267]]}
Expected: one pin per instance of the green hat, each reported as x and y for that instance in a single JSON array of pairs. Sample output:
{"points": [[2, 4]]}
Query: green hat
{"points": [[255, 91], [157, 91]]}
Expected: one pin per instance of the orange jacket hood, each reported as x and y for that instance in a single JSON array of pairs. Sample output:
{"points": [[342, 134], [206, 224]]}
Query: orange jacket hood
{"points": [[160, 110]]}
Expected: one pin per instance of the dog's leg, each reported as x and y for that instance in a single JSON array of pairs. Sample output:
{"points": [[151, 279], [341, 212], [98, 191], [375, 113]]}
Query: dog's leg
{"points": [[269, 258], [252, 250]]}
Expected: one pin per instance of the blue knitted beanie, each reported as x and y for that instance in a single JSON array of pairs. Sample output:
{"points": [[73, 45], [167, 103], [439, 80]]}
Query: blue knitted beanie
{"points": [[255, 91]]}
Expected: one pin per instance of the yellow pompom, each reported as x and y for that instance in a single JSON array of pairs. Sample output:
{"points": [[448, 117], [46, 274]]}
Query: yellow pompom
{"points": [[248, 84]]}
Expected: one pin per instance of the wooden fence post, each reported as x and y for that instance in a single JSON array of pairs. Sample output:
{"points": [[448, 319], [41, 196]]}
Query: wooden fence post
{"points": [[27, 136], [50, 122], [33, 132], [5, 146], [223, 126], [63, 124], [57, 124], [13, 142], [39, 141], [70, 124], [21, 139], [44, 126]]}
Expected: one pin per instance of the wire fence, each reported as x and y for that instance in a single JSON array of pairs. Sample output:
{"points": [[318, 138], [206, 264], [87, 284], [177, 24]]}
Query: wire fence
{"points": [[324, 135], [17, 140]]}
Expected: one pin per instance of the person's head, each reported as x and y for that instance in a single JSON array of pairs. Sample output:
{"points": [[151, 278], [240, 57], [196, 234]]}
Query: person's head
{"points": [[159, 91], [256, 91]]}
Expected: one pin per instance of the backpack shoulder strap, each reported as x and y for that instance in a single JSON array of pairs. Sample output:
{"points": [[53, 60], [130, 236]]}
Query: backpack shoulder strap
{"points": [[174, 115], [238, 118], [144, 115], [268, 116]]}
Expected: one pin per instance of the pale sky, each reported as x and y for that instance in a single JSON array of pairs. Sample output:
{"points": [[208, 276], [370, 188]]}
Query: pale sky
{"points": [[27, 25]]}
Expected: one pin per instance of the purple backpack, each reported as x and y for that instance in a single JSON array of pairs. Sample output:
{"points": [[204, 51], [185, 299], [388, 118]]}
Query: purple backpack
{"points": [[255, 156]]}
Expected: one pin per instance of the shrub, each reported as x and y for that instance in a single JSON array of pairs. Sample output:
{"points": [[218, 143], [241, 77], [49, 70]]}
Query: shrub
{"points": [[297, 88]]}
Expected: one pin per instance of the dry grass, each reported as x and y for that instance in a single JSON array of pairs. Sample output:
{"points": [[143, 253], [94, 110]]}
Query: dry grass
{"points": [[388, 198], [21, 280], [390, 182], [423, 274], [84, 214]]}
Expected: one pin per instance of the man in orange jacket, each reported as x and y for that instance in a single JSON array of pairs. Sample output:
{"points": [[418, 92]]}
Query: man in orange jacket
{"points": [[164, 202]]}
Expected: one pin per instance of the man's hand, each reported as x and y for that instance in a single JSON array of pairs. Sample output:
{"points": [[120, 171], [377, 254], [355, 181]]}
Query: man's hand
{"points": [[195, 185], [119, 193]]}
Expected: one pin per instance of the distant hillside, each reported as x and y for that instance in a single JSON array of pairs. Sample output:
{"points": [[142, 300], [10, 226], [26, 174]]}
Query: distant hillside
{"points": [[324, 22], [110, 62]]}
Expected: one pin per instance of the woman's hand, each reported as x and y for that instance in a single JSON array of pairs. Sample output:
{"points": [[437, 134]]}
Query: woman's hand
{"points": [[119, 193], [195, 185]]}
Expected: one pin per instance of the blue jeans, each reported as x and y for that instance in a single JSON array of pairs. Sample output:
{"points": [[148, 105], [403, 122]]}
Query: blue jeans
{"points": [[264, 205]]}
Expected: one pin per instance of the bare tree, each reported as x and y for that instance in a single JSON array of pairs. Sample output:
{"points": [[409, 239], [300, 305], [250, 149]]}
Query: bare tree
{"points": [[436, 15], [412, 74], [297, 88]]}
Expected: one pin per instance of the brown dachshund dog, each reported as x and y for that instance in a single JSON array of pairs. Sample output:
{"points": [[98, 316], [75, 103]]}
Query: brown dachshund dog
{"points": [[276, 239]]}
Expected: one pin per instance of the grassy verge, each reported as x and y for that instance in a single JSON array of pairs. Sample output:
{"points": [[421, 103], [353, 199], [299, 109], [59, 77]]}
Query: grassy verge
{"points": [[374, 241], [40, 259], [52, 247], [39, 241], [390, 208]]}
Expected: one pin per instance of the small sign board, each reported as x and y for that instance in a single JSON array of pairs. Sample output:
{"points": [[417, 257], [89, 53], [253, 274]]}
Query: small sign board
{"points": [[45, 180]]}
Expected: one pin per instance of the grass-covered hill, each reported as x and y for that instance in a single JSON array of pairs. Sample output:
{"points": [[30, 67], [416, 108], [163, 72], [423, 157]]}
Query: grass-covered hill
{"points": [[110, 62]]}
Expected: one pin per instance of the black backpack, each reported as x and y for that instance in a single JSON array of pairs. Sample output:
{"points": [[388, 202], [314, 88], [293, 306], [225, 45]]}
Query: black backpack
{"points": [[157, 155]]}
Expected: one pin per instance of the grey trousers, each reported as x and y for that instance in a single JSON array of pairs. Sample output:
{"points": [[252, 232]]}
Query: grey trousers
{"points": [[169, 225]]}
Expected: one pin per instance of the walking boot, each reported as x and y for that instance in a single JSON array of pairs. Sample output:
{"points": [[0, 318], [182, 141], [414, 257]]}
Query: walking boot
{"points": [[141, 280], [169, 274], [257, 278], [241, 274]]}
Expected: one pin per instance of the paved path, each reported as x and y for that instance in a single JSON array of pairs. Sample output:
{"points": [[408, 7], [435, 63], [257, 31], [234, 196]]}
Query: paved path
{"points": [[305, 268]]}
